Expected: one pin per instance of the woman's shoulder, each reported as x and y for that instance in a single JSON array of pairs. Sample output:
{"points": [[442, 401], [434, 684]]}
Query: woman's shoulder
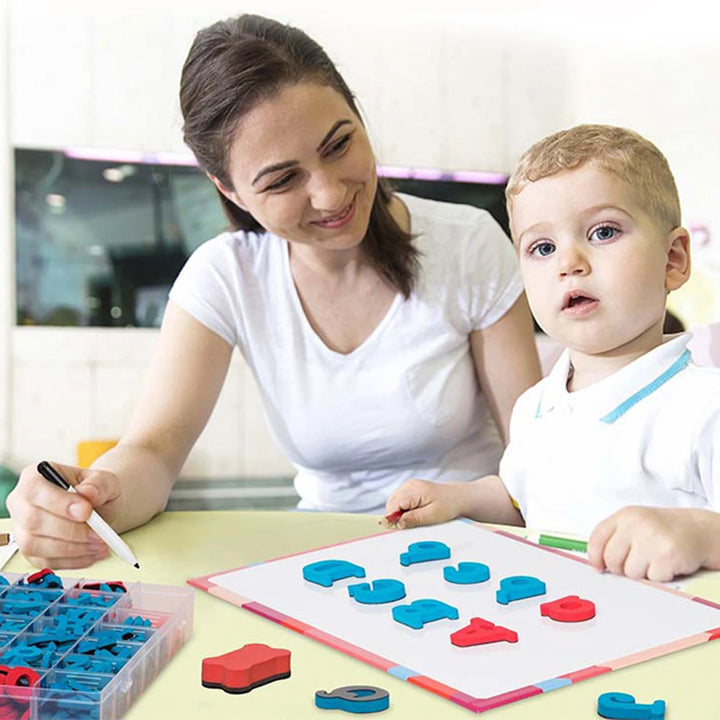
{"points": [[455, 239], [470, 232], [238, 245], [233, 241], [238, 260], [426, 214]]}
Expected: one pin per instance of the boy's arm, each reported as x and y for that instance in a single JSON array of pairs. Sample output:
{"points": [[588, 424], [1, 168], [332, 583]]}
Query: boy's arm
{"points": [[427, 503], [709, 523]]}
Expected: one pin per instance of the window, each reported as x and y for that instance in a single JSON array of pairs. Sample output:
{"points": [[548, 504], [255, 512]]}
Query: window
{"points": [[99, 241], [101, 235]]}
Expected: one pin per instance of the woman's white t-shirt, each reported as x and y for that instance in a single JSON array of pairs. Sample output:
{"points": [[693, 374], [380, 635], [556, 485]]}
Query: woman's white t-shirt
{"points": [[405, 403]]}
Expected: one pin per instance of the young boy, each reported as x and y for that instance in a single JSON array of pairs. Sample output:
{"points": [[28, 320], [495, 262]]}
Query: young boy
{"points": [[621, 442]]}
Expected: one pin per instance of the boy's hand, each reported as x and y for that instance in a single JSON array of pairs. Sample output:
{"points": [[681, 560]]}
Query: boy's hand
{"points": [[425, 503], [657, 543]]}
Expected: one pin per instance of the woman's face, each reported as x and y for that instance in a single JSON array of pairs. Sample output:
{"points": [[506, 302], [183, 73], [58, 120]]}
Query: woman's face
{"points": [[301, 164]]}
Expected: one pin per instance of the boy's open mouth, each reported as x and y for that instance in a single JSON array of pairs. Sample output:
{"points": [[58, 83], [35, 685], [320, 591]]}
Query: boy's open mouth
{"points": [[579, 301]]}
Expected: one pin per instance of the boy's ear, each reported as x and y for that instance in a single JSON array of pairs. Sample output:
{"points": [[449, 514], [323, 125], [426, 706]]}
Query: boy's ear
{"points": [[677, 270], [231, 195]]}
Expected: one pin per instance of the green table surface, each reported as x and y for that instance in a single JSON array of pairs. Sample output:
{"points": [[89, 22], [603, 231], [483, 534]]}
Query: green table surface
{"points": [[177, 546]]}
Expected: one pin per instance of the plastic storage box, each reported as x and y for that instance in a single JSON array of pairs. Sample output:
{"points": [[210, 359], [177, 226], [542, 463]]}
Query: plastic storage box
{"points": [[87, 648]]}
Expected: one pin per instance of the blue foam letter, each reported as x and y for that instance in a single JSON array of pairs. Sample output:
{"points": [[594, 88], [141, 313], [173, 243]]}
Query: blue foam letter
{"points": [[424, 551], [419, 612], [382, 591], [467, 573], [326, 572], [519, 587]]}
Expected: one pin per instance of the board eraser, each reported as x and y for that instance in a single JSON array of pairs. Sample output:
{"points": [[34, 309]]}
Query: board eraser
{"points": [[242, 670]]}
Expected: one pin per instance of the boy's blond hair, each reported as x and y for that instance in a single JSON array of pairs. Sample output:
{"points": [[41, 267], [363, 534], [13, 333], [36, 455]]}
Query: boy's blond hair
{"points": [[615, 150]]}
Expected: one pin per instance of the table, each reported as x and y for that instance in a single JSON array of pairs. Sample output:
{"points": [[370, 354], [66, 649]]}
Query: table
{"points": [[176, 546]]}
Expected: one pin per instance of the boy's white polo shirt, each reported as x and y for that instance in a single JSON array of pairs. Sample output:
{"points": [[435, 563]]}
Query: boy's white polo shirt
{"points": [[647, 435]]}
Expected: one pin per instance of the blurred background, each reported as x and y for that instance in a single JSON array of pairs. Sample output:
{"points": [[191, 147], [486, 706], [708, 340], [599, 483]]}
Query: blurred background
{"points": [[100, 202]]}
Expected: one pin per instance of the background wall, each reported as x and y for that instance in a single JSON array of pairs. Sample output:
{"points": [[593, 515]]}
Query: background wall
{"points": [[468, 88], [7, 304]]}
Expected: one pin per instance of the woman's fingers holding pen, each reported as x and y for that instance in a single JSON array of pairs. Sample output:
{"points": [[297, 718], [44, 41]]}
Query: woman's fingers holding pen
{"points": [[55, 550], [93, 489], [98, 487], [48, 522], [69, 563], [57, 553], [34, 497]]}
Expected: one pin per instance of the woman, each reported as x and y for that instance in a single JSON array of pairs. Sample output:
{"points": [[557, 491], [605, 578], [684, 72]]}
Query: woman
{"points": [[388, 334]]}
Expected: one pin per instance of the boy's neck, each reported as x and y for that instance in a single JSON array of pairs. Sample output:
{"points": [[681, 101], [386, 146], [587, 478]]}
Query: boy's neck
{"points": [[588, 369]]}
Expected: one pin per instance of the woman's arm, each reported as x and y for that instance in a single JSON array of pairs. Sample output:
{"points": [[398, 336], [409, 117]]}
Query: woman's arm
{"points": [[506, 361], [182, 385], [131, 483]]}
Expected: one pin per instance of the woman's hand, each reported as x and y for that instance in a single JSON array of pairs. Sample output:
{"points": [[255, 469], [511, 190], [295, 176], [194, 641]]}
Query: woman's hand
{"points": [[657, 543], [49, 523]]}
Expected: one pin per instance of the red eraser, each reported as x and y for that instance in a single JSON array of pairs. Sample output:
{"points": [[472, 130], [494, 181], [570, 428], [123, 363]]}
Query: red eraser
{"points": [[244, 669]]}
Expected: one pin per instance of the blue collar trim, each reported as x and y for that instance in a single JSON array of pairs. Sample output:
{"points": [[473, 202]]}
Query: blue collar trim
{"points": [[537, 409], [674, 369]]}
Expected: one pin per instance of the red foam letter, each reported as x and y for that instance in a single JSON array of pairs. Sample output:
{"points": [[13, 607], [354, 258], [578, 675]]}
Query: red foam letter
{"points": [[480, 632], [569, 609]]}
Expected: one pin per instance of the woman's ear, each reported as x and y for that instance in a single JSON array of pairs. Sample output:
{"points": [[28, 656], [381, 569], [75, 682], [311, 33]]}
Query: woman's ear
{"points": [[677, 270], [231, 195]]}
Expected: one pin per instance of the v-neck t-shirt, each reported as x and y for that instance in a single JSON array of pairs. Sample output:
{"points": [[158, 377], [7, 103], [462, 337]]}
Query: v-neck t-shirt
{"points": [[406, 402]]}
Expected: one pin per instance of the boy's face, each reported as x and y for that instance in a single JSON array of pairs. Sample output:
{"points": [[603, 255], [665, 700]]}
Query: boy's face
{"points": [[596, 267]]}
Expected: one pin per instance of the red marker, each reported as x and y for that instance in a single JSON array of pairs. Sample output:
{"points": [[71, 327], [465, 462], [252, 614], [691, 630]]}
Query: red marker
{"points": [[392, 518]]}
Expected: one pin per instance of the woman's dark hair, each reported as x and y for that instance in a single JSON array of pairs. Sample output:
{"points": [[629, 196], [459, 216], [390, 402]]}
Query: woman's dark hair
{"points": [[235, 64]]}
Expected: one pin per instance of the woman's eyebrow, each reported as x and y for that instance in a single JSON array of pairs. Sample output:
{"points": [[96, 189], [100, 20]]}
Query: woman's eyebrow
{"points": [[274, 168], [332, 131], [291, 163]]}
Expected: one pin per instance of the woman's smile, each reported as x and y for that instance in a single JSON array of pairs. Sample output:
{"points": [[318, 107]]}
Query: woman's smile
{"points": [[338, 220]]}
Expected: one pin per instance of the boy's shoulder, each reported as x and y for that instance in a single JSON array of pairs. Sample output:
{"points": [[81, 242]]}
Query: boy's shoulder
{"points": [[689, 382], [697, 388], [664, 380]]}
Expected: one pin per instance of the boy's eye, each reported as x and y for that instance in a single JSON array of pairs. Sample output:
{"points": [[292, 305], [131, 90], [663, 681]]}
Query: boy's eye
{"points": [[604, 233], [542, 249]]}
